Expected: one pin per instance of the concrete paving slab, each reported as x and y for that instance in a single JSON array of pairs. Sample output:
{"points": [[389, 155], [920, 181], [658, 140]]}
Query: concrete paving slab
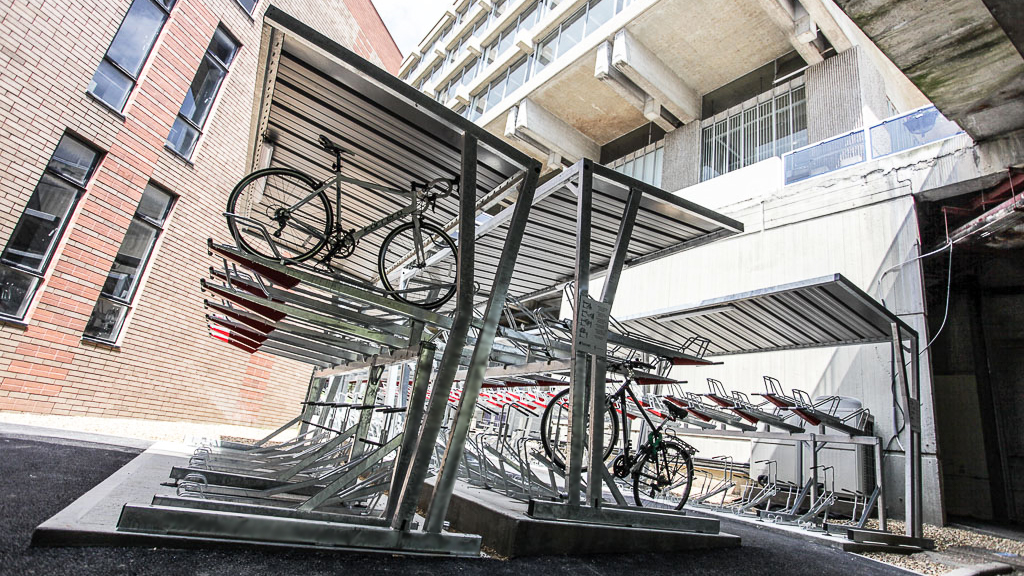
{"points": [[92, 519]]}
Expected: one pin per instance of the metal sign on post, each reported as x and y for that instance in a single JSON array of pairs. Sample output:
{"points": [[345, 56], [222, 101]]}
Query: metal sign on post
{"points": [[592, 329]]}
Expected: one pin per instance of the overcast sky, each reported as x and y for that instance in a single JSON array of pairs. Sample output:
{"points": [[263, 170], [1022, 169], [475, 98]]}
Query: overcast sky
{"points": [[410, 20]]}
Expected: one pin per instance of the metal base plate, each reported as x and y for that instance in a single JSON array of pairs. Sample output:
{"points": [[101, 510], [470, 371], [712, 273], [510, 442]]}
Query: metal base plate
{"points": [[275, 530]]}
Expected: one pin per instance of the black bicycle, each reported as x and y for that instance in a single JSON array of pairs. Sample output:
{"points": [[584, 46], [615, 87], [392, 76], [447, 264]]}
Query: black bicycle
{"points": [[661, 467], [284, 214]]}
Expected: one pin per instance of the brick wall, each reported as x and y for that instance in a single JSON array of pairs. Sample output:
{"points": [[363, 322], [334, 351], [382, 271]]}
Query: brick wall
{"points": [[166, 366]]}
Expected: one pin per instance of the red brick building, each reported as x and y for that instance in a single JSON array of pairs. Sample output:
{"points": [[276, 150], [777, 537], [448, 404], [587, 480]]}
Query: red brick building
{"points": [[123, 126]]}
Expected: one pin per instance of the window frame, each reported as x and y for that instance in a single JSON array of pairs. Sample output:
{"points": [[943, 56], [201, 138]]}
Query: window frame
{"points": [[149, 52], [127, 303], [39, 274], [225, 68], [776, 105]]}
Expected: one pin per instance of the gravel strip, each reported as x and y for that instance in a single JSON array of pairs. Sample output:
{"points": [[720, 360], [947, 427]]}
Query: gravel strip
{"points": [[948, 541]]}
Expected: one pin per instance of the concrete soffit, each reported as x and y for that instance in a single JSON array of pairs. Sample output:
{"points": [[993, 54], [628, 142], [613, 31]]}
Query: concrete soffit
{"points": [[548, 135], [644, 80], [799, 27]]}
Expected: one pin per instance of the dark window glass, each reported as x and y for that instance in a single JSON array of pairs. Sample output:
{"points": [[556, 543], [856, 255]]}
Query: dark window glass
{"points": [[199, 98], [16, 290], [105, 322], [248, 5], [111, 85], [116, 75], [123, 279], [42, 223], [223, 47]]}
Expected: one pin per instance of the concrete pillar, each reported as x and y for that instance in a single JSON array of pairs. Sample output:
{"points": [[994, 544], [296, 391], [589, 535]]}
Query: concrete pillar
{"points": [[833, 96], [680, 167]]}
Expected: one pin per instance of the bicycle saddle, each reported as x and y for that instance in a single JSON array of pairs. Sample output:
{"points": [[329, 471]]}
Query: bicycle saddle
{"points": [[333, 148]]}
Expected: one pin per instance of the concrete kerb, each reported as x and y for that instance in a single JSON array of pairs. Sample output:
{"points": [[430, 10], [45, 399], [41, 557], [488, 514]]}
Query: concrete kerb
{"points": [[73, 438]]}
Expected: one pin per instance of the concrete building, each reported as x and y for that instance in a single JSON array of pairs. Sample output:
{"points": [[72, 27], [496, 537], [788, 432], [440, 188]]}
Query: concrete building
{"points": [[788, 116], [124, 126]]}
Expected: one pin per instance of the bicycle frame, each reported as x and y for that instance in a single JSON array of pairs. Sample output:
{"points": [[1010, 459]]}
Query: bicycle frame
{"points": [[624, 392], [336, 182]]}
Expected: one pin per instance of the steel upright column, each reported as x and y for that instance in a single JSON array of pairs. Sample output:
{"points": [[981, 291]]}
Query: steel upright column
{"points": [[413, 422], [580, 360], [424, 448], [909, 397], [481, 352], [915, 439], [599, 363], [373, 377]]}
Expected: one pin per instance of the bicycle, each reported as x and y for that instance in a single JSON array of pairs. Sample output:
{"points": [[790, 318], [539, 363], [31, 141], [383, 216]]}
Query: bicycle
{"points": [[285, 214], [661, 468]]}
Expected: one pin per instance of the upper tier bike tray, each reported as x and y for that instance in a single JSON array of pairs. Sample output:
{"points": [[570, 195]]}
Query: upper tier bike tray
{"points": [[826, 311]]}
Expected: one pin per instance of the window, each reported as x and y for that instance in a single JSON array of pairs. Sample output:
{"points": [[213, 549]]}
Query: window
{"points": [[42, 224], [498, 88], [119, 70], [123, 280], [769, 125], [524, 21], [199, 98], [644, 164], [248, 5]]}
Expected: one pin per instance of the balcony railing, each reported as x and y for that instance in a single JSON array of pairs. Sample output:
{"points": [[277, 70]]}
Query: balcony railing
{"points": [[910, 131], [897, 134]]}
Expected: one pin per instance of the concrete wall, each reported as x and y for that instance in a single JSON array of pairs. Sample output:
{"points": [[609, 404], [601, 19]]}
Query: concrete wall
{"points": [[165, 366]]}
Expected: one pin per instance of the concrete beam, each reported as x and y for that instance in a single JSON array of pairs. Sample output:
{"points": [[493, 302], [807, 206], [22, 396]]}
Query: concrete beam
{"points": [[626, 89], [827, 24], [785, 14], [654, 77], [533, 124]]}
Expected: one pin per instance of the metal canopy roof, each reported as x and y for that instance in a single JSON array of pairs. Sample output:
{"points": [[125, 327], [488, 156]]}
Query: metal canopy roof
{"points": [[311, 86], [664, 224], [827, 311]]}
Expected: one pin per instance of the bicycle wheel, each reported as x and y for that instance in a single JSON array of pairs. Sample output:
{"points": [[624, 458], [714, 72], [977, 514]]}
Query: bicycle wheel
{"points": [[428, 283], [554, 430], [664, 479], [266, 197]]}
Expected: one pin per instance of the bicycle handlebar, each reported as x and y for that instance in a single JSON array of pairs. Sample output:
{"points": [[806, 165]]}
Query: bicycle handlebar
{"points": [[447, 187]]}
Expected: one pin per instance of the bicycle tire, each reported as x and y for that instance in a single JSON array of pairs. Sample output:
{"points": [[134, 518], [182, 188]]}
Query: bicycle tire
{"points": [[260, 195], [668, 486], [553, 433], [432, 285]]}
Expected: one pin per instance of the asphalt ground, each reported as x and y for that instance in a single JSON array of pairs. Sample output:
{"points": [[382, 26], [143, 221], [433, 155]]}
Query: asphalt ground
{"points": [[39, 478]]}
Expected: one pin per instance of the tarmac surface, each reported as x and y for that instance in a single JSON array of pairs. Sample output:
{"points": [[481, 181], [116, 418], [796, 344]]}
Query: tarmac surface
{"points": [[40, 476]]}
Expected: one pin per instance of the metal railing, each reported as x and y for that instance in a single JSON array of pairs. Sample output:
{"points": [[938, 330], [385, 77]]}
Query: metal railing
{"points": [[897, 134]]}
